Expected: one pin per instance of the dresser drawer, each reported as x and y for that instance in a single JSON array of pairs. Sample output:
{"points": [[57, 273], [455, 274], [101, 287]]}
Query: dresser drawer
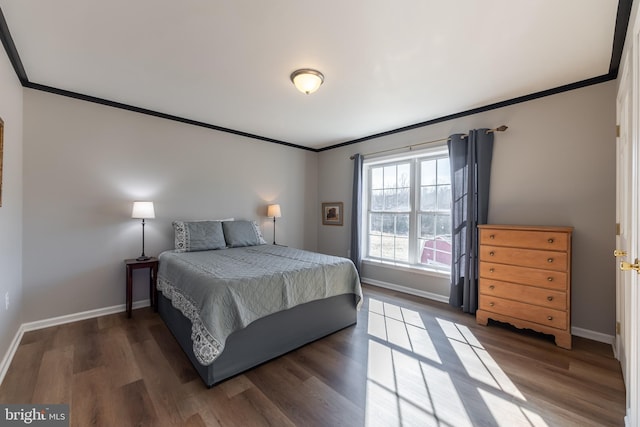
{"points": [[547, 260], [524, 275], [533, 313], [532, 295], [550, 240]]}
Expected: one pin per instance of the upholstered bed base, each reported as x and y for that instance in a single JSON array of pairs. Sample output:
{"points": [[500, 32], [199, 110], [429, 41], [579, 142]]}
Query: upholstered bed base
{"points": [[266, 338]]}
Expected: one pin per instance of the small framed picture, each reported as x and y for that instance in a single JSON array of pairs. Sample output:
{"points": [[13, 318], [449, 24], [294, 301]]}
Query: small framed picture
{"points": [[332, 213]]}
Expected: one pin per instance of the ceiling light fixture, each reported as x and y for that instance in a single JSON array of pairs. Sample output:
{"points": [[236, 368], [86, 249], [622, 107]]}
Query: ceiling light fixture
{"points": [[307, 80]]}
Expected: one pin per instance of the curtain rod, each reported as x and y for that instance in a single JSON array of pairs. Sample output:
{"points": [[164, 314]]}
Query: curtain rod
{"points": [[410, 147]]}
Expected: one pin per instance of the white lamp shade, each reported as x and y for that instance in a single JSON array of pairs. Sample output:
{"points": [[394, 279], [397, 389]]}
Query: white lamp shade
{"points": [[143, 210], [273, 211], [307, 80]]}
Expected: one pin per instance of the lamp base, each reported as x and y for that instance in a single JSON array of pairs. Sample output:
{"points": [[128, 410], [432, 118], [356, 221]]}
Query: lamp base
{"points": [[143, 258]]}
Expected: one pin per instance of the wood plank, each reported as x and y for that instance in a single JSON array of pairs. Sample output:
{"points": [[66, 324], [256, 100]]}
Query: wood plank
{"points": [[249, 408], [163, 385], [118, 357], [196, 421], [137, 404], [55, 376], [72, 333], [180, 365], [22, 375], [266, 408], [333, 368], [93, 402]]}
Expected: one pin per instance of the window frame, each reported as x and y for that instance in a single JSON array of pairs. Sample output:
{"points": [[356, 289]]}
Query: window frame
{"points": [[414, 158]]}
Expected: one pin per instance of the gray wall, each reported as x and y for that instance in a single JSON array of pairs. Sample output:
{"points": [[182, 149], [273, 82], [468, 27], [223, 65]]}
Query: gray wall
{"points": [[84, 165], [554, 166], [11, 210]]}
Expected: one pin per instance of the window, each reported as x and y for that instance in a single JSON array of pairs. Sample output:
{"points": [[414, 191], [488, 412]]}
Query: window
{"points": [[407, 205]]}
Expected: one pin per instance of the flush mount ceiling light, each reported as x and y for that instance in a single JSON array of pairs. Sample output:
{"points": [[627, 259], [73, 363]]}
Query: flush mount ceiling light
{"points": [[307, 80]]}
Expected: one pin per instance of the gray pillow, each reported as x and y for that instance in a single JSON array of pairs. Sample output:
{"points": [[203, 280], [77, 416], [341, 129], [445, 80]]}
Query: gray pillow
{"points": [[198, 236], [242, 233]]}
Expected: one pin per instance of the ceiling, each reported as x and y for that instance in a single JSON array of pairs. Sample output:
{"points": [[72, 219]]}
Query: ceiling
{"points": [[387, 65]]}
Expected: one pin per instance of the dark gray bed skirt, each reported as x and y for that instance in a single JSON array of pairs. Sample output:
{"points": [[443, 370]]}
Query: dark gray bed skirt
{"points": [[266, 338]]}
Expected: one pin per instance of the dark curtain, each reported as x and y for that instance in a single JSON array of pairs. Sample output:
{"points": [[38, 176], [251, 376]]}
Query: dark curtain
{"points": [[470, 159], [356, 211]]}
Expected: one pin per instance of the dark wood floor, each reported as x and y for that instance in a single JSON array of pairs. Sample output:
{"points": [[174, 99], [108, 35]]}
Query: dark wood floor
{"points": [[408, 361]]}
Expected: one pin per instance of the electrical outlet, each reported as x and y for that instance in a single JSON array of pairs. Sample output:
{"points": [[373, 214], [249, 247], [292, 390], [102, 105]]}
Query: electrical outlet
{"points": [[6, 301]]}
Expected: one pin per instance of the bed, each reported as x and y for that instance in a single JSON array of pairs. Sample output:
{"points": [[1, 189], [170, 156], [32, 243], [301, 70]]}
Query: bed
{"points": [[238, 302]]}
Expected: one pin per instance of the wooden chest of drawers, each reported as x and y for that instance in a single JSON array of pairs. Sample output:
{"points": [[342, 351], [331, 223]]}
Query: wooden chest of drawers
{"points": [[525, 278]]}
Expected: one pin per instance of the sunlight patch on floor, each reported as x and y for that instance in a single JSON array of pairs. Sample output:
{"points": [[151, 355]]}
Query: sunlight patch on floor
{"points": [[476, 360], [408, 385], [403, 328], [398, 392], [509, 414]]}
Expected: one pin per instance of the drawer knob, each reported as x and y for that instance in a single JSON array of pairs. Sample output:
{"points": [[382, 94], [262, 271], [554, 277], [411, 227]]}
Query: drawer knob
{"points": [[491, 287], [492, 253], [549, 260], [550, 240], [491, 270], [549, 298], [492, 236], [491, 304], [549, 317], [549, 279]]}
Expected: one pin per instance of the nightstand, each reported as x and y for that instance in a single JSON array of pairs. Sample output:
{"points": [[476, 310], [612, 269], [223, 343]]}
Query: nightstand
{"points": [[152, 265]]}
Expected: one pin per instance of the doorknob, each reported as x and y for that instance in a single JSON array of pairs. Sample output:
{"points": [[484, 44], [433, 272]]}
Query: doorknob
{"points": [[618, 253], [625, 266]]}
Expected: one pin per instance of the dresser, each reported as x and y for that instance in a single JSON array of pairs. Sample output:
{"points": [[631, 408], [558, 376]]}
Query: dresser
{"points": [[525, 278]]}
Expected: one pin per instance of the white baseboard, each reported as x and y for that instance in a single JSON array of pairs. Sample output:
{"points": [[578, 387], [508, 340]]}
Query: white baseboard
{"points": [[579, 332], [60, 320], [8, 357], [406, 290], [592, 335], [90, 314]]}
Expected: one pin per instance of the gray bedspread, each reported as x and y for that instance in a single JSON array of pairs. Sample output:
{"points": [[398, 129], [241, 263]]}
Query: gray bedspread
{"points": [[222, 291]]}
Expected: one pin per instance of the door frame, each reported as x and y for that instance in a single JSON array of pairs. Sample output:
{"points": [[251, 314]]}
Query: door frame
{"points": [[627, 345]]}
